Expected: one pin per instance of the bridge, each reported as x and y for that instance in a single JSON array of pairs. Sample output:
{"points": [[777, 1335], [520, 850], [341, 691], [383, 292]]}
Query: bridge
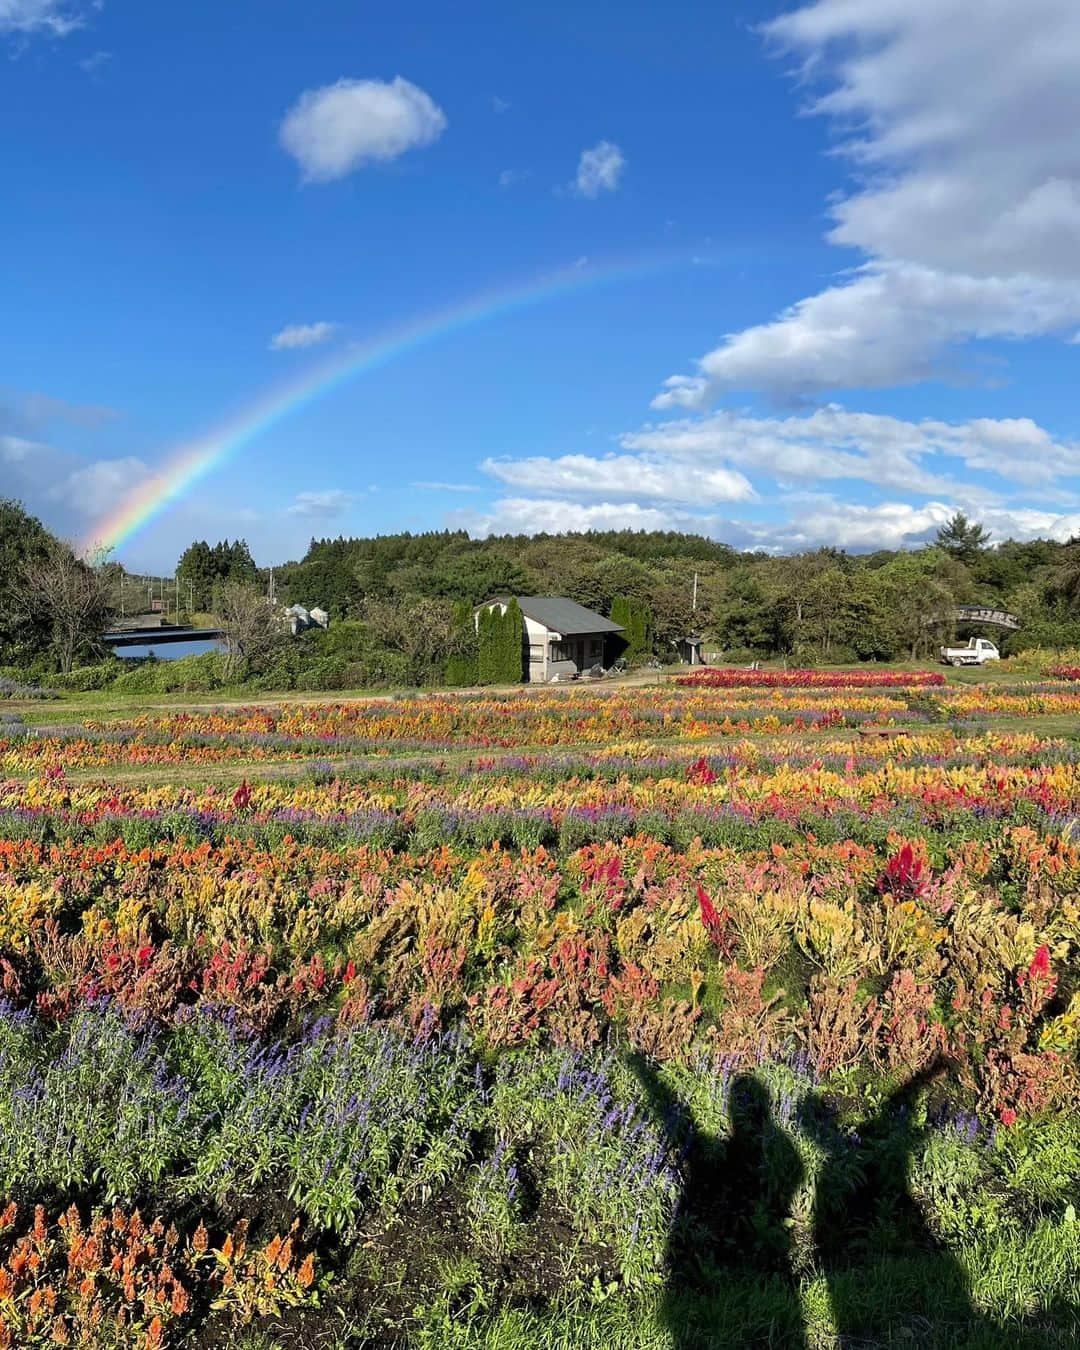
{"points": [[156, 637], [998, 618]]}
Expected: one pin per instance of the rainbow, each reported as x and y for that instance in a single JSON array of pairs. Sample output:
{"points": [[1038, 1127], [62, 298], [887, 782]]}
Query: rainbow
{"points": [[192, 462]]}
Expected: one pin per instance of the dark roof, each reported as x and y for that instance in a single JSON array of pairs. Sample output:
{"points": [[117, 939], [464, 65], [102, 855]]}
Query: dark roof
{"points": [[563, 616]]}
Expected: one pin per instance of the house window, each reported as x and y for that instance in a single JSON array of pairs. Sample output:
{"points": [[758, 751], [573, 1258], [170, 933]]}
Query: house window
{"points": [[536, 652], [572, 649]]}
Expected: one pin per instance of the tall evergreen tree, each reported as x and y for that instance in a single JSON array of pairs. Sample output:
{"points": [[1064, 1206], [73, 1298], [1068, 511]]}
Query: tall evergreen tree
{"points": [[963, 539], [636, 619], [513, 624], [485, 639], [462, 666]]}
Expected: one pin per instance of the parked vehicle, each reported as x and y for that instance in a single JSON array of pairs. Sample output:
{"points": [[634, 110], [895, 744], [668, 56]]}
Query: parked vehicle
{"points": [[977, 652]]}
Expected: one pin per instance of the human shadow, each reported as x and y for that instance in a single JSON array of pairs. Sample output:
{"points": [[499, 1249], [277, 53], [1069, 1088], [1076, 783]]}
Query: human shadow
{"points": [[865, 1218], [731, 1274], [732, 1215]]}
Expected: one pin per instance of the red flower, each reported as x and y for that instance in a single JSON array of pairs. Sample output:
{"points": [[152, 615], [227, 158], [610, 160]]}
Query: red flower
{"points": [[1007, 1115], [242, 796], [716, 923], [699, 773], [905, 875], [718, 677]]}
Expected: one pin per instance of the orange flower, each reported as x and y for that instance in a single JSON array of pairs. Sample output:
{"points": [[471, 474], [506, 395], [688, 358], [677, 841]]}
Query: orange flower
{"points": [[306, 1274]]}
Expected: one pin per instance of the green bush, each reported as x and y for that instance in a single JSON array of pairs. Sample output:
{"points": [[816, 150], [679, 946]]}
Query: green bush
{"points": [[88, 679]]}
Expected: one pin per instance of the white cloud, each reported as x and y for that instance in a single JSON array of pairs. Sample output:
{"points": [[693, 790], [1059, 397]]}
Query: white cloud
{"points": [[785, 470], [832, 443], [95, 61], [36, 410], [17, 450], [302, 335], [599, 170], [967, 212], [523, 515], [429, 486], [91, 490], [617, 477], [327, 503], [333, 130], [856, 528], [39, 16], [511, 177], [890, 325], [821, 521], [62, 487], [498, 105], [896, 525]]}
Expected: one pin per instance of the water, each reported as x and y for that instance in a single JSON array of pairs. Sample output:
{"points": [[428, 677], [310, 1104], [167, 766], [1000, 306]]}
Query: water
{"points": [[170, 651]]}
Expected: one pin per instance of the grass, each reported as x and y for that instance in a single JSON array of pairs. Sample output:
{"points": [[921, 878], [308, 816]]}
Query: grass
{"points": [[106, 703], [892, 1302]]}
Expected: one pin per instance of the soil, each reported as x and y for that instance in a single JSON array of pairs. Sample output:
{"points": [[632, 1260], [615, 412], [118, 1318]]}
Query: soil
{"points": [[384, 1276]]}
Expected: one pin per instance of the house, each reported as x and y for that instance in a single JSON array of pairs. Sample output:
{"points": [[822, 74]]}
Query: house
{"points": [[561, 638]]}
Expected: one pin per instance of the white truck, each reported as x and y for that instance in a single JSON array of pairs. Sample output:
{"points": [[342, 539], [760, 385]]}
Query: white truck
{"points": [[977, 652]]}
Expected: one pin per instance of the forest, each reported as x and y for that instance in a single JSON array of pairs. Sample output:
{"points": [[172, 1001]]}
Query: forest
{"points": [[819, 607], [401, 605]]}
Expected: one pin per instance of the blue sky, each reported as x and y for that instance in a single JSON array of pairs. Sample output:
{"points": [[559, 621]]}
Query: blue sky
{"points": [[859, 265]]}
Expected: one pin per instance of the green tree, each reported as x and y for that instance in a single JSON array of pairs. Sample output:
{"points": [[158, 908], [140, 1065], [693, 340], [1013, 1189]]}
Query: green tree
{"points": [[25, 632], [1063, 583], [636, 619], [462, 665], [254, 632], [203, 570], [485, 665], [197, 574], [419, 632], [920, 601], [513, 636], [962, 539], [500, 636], [74, 598]]}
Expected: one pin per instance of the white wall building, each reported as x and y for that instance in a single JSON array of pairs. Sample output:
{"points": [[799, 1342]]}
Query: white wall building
{"points": [[561, 637]]}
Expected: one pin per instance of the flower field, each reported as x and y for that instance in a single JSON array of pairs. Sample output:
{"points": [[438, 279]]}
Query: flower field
{"points": [[655, 1017], [727, 677]]}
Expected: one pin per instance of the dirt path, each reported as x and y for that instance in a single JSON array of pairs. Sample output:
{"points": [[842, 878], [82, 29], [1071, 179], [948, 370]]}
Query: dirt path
{"points": [[105, 708]]}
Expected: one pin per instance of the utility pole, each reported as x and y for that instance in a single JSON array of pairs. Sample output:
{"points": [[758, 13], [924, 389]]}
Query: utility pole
{"points": [[694, 639]]}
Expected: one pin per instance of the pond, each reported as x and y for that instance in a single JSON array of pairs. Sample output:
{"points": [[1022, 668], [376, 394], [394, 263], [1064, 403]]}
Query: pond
{"points": [[170, 651]]}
